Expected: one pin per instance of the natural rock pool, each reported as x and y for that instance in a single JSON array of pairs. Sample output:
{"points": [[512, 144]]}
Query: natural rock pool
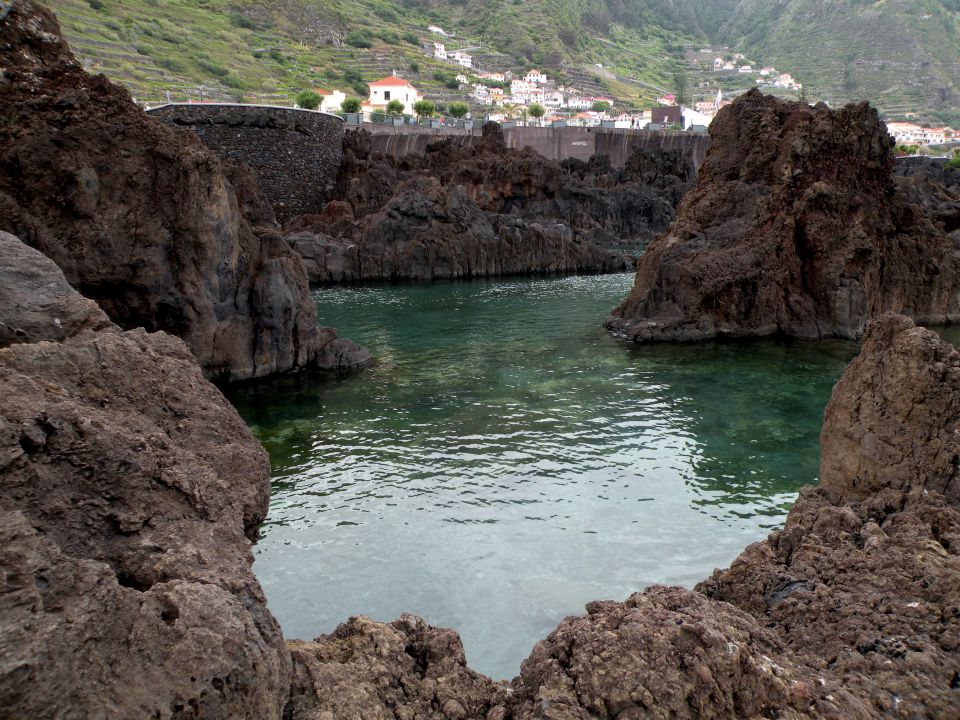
{"points": [[506, 460]]}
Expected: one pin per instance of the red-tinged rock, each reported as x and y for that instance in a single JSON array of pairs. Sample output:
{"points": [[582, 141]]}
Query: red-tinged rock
{"points": [[795, 227]]}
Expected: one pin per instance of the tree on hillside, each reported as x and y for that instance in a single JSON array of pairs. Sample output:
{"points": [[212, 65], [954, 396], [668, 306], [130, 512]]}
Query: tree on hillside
{"points": [[458, 110], [308, 99], [680, 86], [395, 107], [537, 111], [510, 110], [424, 108], [601, 106], [350, 105]]}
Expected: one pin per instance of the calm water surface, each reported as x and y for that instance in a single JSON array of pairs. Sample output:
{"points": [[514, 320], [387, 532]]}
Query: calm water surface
{"points": [[506, 461]]}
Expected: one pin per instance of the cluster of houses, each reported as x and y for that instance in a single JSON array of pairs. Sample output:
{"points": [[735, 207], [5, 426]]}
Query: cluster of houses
{"points": [[906, 133], [766, 76]]}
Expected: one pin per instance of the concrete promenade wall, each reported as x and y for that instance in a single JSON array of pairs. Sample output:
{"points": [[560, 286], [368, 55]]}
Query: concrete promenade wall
{"points": [[553, 143], [295, 153]]}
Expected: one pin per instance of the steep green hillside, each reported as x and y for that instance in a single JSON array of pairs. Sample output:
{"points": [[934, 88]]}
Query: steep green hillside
{"points": [[903, 55]]}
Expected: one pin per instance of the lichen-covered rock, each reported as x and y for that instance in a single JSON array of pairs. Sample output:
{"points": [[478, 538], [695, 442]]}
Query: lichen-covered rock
{"points": [[795, 227], [405, 670], [36, 301], [138, 216], [130, 492]]}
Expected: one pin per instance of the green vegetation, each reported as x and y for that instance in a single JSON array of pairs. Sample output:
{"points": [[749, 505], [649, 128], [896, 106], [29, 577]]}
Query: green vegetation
{"points": [[424, 108], [458, 110], [955, 161], [350, 105], [537, 111], [395, 107], [902, 54], [601, 106], [308, 99]]}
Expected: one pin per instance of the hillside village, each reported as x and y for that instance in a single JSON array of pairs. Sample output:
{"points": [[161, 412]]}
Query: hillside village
{"points": [[533, 97]]}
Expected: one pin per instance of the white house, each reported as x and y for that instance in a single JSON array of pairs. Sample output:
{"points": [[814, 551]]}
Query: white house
{"points": [[392, 88], [767, 71], [577, 102], [553, 100], [717, 64], [495, 76], [745, 69], [535, 76], [331, 100], [461, 58], [440, 51]]}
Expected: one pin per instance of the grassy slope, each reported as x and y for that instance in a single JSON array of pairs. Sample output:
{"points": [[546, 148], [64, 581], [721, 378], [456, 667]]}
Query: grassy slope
{"points": [[887, 51]]}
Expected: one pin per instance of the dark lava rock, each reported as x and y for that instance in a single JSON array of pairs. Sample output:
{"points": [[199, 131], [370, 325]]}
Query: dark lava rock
{"points": [[130, 492], [140, 217], [795, 227], [36, 301], [935, 185], [478, 208]]}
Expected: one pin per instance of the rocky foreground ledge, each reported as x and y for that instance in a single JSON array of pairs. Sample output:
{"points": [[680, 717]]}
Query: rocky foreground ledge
{"points": [[131, 492], [143, 219], [795, 227], [480, 209]]}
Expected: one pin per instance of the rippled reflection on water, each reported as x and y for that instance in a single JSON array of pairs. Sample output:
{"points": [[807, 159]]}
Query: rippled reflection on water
{"points": [[506, 461]]}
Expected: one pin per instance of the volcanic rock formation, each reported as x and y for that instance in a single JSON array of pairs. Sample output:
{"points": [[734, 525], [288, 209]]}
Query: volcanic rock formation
{"points": [[130, 492], [935, 185], [480, 209], [795, 227], [140, 217]]}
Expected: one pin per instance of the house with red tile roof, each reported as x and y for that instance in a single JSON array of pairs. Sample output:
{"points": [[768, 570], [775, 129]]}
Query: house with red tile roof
{"points": [[392, 88]]}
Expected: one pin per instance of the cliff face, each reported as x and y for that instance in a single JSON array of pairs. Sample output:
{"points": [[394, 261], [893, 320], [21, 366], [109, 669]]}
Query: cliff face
{"points": [[140, 217], [479, 209], [795, 227]]}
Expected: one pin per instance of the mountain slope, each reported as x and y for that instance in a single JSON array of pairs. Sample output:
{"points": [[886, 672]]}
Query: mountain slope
{"points": [[902, 55]]}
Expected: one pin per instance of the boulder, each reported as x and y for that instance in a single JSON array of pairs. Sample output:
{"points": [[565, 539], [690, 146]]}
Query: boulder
{"points": [[36, 301], [140, 217], [130, 492], [795, 227], [404, 670]]}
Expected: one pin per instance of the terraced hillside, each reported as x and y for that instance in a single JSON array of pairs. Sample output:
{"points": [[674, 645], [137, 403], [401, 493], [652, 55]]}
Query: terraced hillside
{"points": [[902, 55]]}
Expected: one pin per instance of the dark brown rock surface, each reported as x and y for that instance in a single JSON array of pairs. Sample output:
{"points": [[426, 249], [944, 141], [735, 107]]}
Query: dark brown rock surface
{"points": [[481, 209], [36, 301], [140, 217], [796, 227], [130, 490]]}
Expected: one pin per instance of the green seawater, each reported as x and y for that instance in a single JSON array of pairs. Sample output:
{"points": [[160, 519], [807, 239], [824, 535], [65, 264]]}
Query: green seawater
{"points": [[506, 460]]}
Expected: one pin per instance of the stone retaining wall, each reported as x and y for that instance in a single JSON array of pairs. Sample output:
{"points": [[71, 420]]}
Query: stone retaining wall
{"points": [[553, 143], [295, 153]]}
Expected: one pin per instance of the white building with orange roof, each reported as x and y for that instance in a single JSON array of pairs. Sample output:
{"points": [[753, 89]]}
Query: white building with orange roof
{"points": [[383, 91], [331, 99]]}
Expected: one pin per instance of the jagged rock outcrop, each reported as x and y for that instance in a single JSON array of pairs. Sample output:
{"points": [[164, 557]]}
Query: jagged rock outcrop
{"points": [[480, 209], [130, 493], [863, 583], [795, 227], [36, 301], [405, 670], [139, 217]]}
